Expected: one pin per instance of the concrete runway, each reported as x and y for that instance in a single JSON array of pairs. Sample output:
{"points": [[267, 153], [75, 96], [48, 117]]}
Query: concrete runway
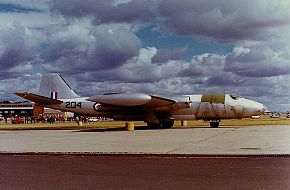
{"points": [[185, 158], [224, 140]]}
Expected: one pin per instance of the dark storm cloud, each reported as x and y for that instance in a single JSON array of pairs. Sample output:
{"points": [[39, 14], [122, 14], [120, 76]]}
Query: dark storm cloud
{"points": [[107, 11], [164, 55], [17, 50], [13, 50], [223, 20], [140, 69], [119, 75], [81, 46]]}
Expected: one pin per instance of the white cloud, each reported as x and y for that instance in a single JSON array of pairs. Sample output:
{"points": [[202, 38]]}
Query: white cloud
{"points": [[95, 43], [18, 84]]}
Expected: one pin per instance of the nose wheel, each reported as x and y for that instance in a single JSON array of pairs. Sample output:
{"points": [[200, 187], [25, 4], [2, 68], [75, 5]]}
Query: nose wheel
{"points": [[214, 124]]}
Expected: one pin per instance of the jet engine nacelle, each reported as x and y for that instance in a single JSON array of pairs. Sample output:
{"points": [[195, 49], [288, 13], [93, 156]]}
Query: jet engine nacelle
{"points": [[121, 99]]}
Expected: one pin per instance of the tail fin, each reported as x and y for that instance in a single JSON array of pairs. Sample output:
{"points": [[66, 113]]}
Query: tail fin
{"points": [[54, 86]]}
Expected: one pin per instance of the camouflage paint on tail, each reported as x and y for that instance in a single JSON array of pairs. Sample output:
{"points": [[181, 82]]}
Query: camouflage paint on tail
{"points": [[52, 84]]}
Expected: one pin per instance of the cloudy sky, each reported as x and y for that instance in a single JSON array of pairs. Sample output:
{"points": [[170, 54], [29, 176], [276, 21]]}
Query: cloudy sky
{"points": [[152, 46]]}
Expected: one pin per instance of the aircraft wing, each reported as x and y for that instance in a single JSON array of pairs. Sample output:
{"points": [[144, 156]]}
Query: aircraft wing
{"points": [[41, 100], [132, 99]]}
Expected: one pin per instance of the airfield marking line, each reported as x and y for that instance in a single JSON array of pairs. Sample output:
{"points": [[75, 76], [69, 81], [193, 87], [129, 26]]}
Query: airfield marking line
{"points": [[191, 143]]}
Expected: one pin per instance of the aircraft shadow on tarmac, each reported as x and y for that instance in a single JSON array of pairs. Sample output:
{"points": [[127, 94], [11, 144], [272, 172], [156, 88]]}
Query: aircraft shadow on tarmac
{"points": [[139, 128], [113, 129]]}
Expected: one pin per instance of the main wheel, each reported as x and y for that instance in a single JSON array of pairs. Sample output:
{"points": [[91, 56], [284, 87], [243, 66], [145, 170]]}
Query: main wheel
{"points": [[214, 124], [164, 124], [154, 125]]}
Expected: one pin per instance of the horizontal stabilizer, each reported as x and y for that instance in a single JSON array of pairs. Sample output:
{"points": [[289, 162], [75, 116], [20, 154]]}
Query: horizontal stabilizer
{"points": [[41, 100]]}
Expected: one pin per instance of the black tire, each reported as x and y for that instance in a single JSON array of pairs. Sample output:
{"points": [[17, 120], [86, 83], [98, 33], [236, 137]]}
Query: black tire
{"points": [[165, 124], [214, 124], [154, 125]]}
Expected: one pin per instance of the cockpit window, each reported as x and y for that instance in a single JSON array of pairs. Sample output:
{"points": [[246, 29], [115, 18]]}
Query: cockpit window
{"points": [[235, 96]]}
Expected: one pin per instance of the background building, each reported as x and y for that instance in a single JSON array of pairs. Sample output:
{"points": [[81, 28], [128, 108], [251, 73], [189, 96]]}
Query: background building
{"points": [[25, 108]]}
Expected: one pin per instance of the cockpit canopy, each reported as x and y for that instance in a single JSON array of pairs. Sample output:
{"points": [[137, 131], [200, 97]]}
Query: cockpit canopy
{"points": [[235, 96]]}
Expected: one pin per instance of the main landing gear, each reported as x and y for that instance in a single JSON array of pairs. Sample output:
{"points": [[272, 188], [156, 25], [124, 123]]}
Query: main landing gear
{"points": [[214, 124], [164, 124]]}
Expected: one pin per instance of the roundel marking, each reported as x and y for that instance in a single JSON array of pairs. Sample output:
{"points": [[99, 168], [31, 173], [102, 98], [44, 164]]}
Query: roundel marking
{"points": [[97, 106]]}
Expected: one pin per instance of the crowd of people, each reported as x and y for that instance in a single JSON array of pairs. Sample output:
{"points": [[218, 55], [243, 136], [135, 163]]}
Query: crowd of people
{"points": [[38, 119]]}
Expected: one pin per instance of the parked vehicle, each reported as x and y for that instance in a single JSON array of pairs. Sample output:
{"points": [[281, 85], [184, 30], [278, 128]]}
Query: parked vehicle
{"points": [[93, 119], [275, 116], [256, 117]]}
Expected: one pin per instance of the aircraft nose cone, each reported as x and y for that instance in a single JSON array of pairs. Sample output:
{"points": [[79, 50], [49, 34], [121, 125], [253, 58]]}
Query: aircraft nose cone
{"points": [[264, 108], [258, 108], [254, 108]]}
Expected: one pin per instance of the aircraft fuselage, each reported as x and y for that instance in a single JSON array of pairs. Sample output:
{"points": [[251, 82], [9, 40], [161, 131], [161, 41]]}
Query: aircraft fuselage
{"points": [[198, 108]]}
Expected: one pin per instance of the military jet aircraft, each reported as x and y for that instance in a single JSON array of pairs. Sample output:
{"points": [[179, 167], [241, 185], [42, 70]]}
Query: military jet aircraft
{"points": [[158, 111]]}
